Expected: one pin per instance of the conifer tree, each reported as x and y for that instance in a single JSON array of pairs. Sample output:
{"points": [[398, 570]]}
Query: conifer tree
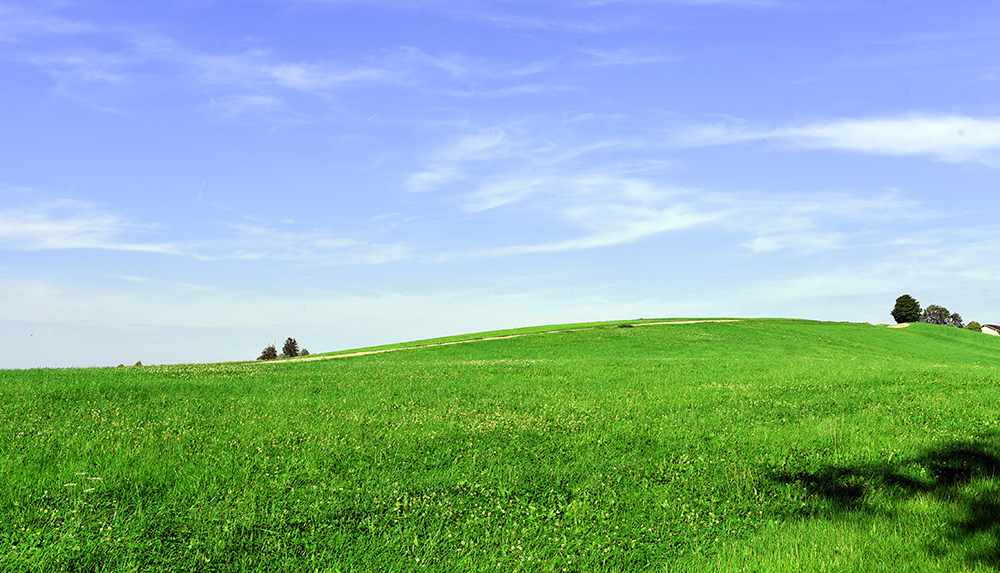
{"points": [[269, 353], [907, 309], [291, 348]]}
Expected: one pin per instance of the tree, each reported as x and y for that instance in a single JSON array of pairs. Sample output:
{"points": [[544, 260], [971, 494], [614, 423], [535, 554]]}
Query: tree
{"points": [[955, 320], [935, 314], [269, 353], [974, 326], [290, 349], [907, 309]]}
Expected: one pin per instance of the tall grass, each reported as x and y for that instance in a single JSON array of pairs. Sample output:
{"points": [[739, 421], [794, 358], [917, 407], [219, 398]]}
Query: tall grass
{"points": [[752, 445]]}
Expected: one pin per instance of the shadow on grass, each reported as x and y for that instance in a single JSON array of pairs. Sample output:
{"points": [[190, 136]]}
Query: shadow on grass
{"points": [[961, 474]]}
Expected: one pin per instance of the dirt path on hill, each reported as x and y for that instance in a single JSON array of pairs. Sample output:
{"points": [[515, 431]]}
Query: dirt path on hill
{"points": [[367, 352]]}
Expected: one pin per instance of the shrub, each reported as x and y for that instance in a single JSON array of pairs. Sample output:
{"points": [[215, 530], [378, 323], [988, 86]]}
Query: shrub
{"points": [[907, 309], [269, 353], [304, 352], [290, 349], [974, 326]]}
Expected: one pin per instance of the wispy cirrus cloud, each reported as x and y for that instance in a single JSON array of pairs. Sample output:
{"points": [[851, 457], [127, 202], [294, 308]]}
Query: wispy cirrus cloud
{"points": [[65, 224], [584, 195], [607, 223], [499, 14], [257, 68], [71, 224], [624, 57], [817, 222], [734, 3], [254, 242], [578, 24], [102, 65], [95, 65], [948, 138], [554, 183], [609, 210], [20, 23], [577, 16], [956, 139], [243, 104], [510, 150]]}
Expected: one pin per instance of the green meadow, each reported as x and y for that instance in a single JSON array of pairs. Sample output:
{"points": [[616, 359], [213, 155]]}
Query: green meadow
{"points": [[755, 445]]}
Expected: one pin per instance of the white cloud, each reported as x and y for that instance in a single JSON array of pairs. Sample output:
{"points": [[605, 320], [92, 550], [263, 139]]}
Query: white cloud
{"points": [[511, 91], [20, 23], [65, 224], [316, 247], [954, 139], [738, 3], [239, 104], [448, 164], [624, 57], [580, 196], [94, 64], [958, 270], [949, 138], [493, 195], [626, 228], [804, 222], [525, 22], [83, 66], [505, 167], [260, 69], [608, 209], [616, 210], [69, 224]]}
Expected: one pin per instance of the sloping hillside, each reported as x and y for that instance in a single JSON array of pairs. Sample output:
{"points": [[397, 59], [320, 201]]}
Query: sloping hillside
{"points": [[758, 444]]}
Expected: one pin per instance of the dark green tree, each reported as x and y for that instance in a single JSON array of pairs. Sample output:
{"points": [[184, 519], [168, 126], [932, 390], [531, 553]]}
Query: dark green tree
{"points": [[907, 309], [269, 353], [290, 348], [936, 314]]}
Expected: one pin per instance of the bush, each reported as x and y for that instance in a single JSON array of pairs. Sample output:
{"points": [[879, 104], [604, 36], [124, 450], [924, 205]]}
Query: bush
{"points": [[974, 326], [304, 352], [290, 349], [907, 309], [269, 353]]}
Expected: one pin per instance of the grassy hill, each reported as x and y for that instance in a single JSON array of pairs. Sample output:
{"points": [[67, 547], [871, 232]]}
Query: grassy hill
{"points": [[754, 445]]}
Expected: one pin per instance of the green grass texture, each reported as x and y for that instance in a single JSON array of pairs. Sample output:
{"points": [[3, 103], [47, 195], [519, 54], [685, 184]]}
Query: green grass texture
{"points": [[750, 445]]}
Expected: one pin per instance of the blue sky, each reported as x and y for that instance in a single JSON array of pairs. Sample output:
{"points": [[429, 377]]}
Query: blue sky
{"points": [[189, 181]]}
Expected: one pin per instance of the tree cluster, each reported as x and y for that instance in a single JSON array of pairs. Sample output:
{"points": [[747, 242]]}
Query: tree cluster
{"points": [[288, 350], [907, 309], [935, 314]]}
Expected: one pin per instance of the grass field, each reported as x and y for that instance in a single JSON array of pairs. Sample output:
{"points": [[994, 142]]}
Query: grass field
{"points": [[758, 445]]}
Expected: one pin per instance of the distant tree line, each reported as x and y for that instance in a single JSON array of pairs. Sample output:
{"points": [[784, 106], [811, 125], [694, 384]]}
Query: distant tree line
{"points": [[289, 350], [907, 309]]}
